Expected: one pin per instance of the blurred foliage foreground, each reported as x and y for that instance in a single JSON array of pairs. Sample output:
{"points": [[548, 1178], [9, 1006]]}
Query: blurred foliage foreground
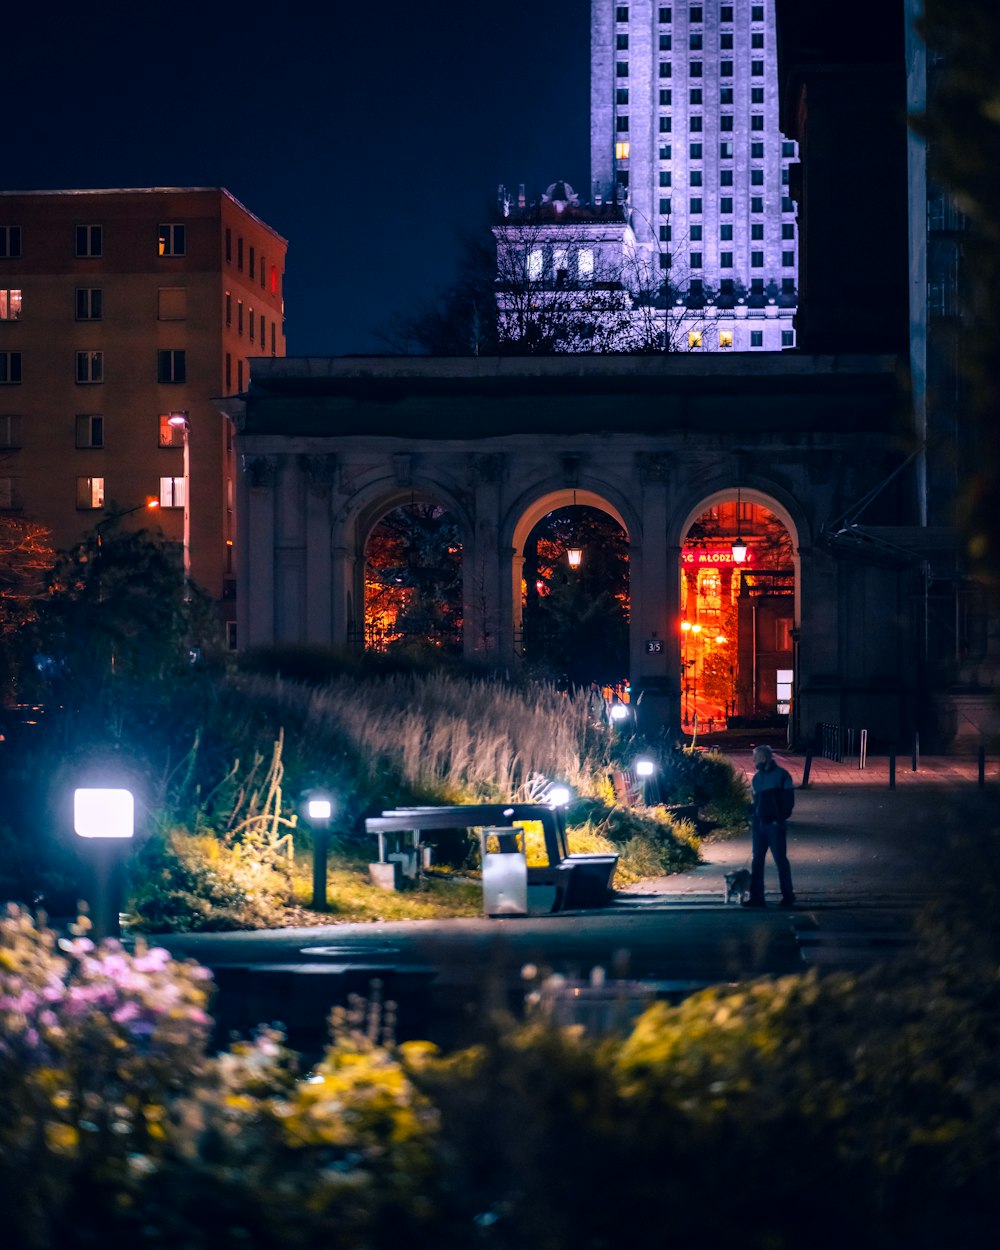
{"points": [[822, 1111]]}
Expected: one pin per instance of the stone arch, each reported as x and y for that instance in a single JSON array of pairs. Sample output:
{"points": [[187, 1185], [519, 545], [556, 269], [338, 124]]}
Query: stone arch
{"points": [[358, 518], [532, 505]]}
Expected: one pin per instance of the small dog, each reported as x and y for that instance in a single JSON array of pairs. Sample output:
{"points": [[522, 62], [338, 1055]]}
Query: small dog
{"points": [[738, 885]]}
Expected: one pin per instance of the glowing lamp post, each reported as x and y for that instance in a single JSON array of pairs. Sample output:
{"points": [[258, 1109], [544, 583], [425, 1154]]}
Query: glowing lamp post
{"points": [[319, 811], [105, 816], [179, 420], [574, 556], [644, 770]]}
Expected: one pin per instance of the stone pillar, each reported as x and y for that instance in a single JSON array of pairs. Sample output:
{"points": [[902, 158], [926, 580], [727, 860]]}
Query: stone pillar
{"points": [[654, 602], [256, 601], [485, 569], [318, 472]]}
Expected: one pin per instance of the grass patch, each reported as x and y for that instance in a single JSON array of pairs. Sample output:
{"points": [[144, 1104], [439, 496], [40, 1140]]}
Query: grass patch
{"points": [[353, 898]]}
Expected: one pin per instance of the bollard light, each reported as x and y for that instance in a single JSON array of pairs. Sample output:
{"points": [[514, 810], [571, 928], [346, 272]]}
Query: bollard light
{"points": [[619, 711], [319, 811], [103, 813], [644, 768], [559, 796]]}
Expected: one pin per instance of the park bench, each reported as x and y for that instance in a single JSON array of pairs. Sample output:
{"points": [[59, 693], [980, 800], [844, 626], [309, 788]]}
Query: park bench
{"points": [[565, 881]]}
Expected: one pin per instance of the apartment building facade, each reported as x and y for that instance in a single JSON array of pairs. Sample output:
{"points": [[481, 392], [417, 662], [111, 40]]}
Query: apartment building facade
{"points": [[685, 134], [120, 310]]}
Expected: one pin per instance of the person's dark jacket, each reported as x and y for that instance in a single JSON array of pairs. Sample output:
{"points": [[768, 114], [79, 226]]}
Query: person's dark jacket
{"points": [[773, 794]]}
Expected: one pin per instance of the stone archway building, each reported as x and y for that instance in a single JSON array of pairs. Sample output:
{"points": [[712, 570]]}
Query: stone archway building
{"points": [[328, 446]]}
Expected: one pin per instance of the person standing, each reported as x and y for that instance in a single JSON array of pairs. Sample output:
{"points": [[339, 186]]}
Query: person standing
{"points": [[773, 801]]}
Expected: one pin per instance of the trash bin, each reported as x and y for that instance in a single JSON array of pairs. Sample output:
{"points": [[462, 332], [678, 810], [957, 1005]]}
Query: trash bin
{"points": [[505, 873]]}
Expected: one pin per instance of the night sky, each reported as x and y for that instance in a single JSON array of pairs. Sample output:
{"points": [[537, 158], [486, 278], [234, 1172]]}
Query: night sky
{"points": [[368, 134]]}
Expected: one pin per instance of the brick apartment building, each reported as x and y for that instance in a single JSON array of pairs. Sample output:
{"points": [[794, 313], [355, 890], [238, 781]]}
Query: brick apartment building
{"points": [[118, 310]]}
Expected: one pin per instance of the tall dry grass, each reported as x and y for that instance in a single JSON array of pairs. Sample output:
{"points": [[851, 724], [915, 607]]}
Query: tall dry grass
{"points": [[457, 739]]}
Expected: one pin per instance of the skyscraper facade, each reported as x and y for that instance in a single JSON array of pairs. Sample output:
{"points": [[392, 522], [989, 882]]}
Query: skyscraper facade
{"points": [[685, 135]]}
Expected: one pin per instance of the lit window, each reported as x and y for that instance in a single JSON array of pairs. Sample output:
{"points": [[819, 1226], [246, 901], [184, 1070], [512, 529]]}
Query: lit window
{"points": [[172, 239], [726, 150], [89, 303], [89, 430], [694, 338], [89, 493], [90, 366], [171, 492], [10, 305], [170, 435], [725, 338], [622, 150], [171, 365], [274, 280], [10, 367], [783, 676], [535, 265], [10, 242], [89, 241], [585, 263], [756, 338]]}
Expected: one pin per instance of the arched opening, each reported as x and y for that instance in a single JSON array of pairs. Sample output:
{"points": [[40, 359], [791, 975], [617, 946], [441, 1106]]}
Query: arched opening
{"points": [[413, 580], [738, 600], [572, 590]]}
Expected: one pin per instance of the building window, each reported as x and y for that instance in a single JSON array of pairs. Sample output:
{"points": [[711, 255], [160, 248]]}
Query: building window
{"points": [[756, 338], [725, 69], [10, 242], [787, 204], [171, 303], [239, 316], [725, 260], [695, 95], [694, 152], [9, 495], [229, 372], [89, 303], [229, 308], [726, 150], [664, 151], [756, 177], [757, 39], [263, 325], [171, 365], [726, 204], [10, 367], [239, 253], [726, 286], [756, 95], [584, 271], [251, 327], [274, 280], [787, 260], [89, 493], [170, 435], [666, 43], [694, 178], [90, 241], [621, 69], [89, 367], [757, 230], [725, 177], [696, 204], [695, 13], [694, 339], [665, 259], [757, 69], [756, 286], [726, 231], [666, 69], [239, 376], [726, 97], [788, 229], [229, 245], [757, 13], [785, 179], [621, 13], [757, 121], [726, 13], [171, 492], [696, 260], [666, 14], [725, 338], [756, 204], [695, 41], [787, 286], [621, 122], [695, 123], [263, 272], [666, 96], [172, 239], [726, 122], [694, 69], [787, 149], [757, 151], [665, 206], [621, 42], [756, 260], [787, 338], [10, 432], [10, 305], [622, 149], [89, 430], [695, 234], [621, 95], [726, 41], [664, 177], [665, 233], [664, 125]]}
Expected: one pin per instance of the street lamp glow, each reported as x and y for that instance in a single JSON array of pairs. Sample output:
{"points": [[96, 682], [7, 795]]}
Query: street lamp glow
{"points": [[685, 627], [739, 551], [103, 813], [559, 796], [319, 809], [619, 711], [644, 768], [575, 556]]}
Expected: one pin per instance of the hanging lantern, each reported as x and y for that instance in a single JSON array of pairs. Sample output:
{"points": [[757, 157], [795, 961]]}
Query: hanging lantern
{"points": [[739, 546], [575, 556]]}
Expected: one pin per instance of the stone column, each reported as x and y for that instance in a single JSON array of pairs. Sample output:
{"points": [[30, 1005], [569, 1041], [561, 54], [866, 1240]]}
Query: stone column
{"points": [[256, 555], [654, 601], [318, 472], [485, 569]]}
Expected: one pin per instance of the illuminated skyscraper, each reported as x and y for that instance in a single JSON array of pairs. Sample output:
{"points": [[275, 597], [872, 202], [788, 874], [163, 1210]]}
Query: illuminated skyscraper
{"points": [[684, 134]]}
